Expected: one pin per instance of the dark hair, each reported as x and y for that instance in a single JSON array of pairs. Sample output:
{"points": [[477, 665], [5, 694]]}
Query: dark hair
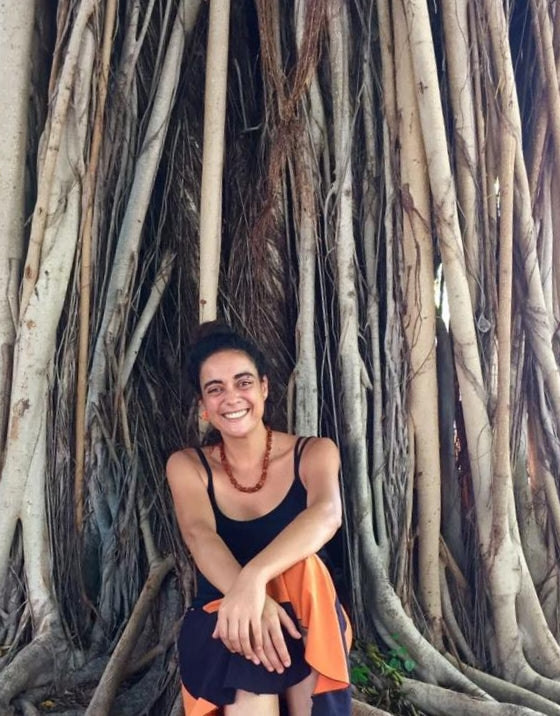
{"points": [[214, 336]]}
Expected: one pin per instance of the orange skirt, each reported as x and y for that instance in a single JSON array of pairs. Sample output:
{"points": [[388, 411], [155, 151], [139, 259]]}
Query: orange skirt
{"points": [[306, 589]]}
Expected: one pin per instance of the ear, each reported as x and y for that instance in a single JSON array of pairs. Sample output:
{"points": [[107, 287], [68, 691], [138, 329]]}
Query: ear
{"points": [[264, 386], [202, 412]]}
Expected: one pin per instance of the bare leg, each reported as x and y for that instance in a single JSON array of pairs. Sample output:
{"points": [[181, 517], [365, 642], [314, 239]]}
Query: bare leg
{"points": [[299, 696], [248, 704]]}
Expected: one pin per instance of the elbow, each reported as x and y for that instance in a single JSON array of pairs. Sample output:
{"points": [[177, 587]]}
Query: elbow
{"points": [[332, 519], [337, 523], [196, 538]]}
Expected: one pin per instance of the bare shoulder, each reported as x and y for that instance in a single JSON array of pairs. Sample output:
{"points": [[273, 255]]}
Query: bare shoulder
{"points": [[320, 455], [184, 465], [322, 446], [187, 481]]}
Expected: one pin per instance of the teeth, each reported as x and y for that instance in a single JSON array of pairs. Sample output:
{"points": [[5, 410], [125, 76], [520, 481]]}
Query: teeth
{"points": [[237, 414]]}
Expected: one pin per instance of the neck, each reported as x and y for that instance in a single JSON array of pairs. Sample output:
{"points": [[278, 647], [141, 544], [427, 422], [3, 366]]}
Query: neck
{"points": [[248, 448]]}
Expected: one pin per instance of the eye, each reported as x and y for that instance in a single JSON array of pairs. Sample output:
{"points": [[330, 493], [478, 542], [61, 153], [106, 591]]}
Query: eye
{"points": [[245, 383], [214, 390]]}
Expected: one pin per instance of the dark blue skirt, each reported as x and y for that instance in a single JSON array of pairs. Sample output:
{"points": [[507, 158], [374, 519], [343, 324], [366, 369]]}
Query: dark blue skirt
{"points": [[211, 674]]}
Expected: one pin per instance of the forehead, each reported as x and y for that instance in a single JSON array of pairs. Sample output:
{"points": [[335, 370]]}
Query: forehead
{"points": [[224, 364]]}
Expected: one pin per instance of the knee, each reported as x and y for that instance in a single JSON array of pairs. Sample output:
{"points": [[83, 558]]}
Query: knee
{"points": [[247, 704]]}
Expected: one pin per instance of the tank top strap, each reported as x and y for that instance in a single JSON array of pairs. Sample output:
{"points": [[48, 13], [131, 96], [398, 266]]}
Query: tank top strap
{"points": [[206, 466], [299, 447]]}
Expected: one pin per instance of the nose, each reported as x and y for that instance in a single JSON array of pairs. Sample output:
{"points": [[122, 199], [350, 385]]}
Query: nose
{"points": [[231, 393]]}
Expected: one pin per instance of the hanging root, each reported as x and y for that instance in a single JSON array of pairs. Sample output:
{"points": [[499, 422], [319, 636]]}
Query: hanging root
{"points": [[105, 693]]}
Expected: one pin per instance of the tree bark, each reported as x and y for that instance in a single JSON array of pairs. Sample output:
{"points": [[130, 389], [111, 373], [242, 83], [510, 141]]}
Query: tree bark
{"points": [[16, 35], [213, 158], [420, 325]]}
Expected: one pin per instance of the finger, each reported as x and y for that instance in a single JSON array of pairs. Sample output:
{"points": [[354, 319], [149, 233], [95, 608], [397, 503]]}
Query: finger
{"points": [[257, 635], [279, 644], [246, 647], [288, 623], [269, 656], [220, 630], [258, 638], [233, 642], [226, 642]]}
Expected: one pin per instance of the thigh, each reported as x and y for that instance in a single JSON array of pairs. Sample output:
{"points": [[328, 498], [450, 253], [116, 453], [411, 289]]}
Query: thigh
{"points": [[248, 704], [298, 697]]}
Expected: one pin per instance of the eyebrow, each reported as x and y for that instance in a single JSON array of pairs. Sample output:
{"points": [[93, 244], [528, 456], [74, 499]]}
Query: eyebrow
{"points": [[237, 376]]}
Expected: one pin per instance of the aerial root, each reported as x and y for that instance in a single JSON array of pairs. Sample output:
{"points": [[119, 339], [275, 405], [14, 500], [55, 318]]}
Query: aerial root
{"points": [[114, 673], [505, 691], [438, 701]]}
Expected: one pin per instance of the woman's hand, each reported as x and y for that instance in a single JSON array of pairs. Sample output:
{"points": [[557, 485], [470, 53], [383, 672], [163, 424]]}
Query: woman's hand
{"points": [[274, 655], [250, 623]]}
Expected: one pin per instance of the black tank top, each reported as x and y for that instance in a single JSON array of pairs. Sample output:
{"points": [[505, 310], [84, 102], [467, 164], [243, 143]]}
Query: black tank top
{"points": [[246, 538]]}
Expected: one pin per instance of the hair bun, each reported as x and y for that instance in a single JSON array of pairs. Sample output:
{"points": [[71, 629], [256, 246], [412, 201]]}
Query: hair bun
{"points": [[211, 328]]}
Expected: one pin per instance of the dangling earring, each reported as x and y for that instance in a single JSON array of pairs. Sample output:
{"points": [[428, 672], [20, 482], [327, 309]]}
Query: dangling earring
{"points": [[204, 416]]}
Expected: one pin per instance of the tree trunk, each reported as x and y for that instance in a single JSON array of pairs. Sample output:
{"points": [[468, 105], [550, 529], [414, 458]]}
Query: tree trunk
{"points": [[420, 326], [16, 34]]}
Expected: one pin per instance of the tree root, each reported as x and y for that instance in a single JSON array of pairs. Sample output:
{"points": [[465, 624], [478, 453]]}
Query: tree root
{"points": [[137, 699], [177, 709], [27, 708], [505, 691], [360, 708], [141, 698], [105, 692], [438, 701], [91, 673], [431, 664], [34, 665]]}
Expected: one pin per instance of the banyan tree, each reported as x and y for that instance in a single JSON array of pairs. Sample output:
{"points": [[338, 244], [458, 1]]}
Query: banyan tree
{"points": [[370, 189]]}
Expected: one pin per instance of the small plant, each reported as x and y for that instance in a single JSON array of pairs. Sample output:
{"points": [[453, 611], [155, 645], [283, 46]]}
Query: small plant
{"points": [[377, 676], [399, 658], [360, 675]]}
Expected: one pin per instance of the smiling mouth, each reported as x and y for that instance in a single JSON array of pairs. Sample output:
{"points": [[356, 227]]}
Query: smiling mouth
{"points": [[236, 414]]}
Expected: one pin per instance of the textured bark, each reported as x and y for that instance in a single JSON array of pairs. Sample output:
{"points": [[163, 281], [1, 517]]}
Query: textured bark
{"points": [[49, 161], [106, 690], [420, 330], [213, 158], [16, 35], [126, 254], [24, 467], [458, 57]]}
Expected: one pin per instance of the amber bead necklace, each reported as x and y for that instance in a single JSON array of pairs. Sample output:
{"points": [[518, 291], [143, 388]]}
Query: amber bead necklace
{"points": [[266, 459]]}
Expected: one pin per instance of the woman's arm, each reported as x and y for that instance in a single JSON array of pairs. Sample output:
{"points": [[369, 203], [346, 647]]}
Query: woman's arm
{"points": [[197, 523], [313, 527], [239, 618]]}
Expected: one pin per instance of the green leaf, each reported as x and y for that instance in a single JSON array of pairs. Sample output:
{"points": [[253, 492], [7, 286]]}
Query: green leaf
{"points": [[359, 675]]}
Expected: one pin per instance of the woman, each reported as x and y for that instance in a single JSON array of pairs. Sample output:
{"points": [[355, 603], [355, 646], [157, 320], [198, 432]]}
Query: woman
{"points": [[265, 633]]}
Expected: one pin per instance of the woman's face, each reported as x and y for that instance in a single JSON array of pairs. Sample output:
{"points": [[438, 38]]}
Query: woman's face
{"points": [[232, 393]]}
